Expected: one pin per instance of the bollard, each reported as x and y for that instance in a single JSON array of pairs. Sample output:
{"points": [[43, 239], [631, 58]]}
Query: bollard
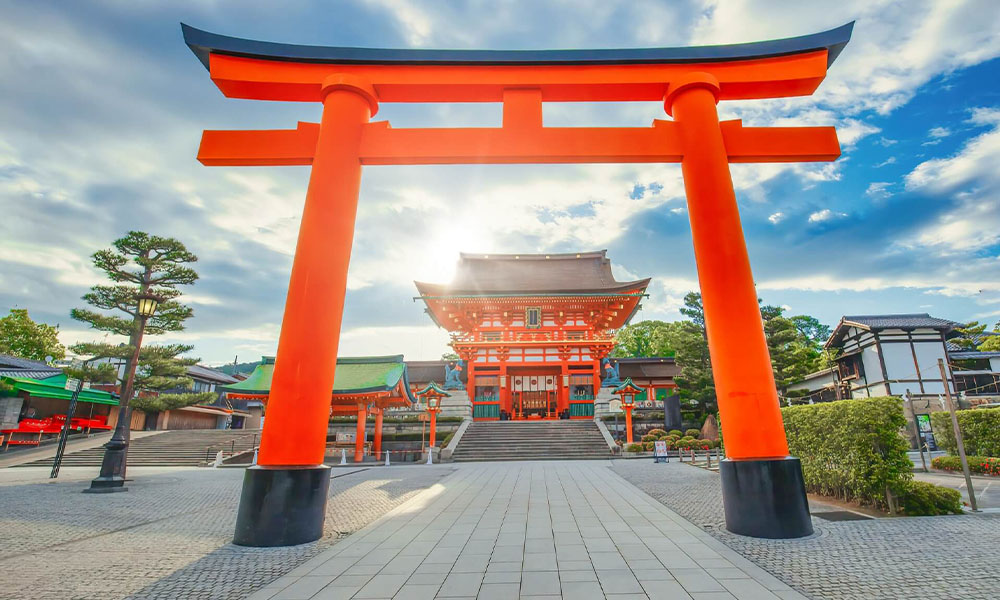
{"points": [[708, 457], [218, 460], [343, 456], [430, 455], [387, 458]]}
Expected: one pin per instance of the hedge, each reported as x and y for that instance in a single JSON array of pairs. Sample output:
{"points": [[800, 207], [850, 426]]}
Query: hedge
{"points": [[980, 431], [926, 499], [851, 449], [981, 465]]}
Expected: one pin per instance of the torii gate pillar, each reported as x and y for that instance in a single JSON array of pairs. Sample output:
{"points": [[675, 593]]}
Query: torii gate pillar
{"points": [[284, 496]]}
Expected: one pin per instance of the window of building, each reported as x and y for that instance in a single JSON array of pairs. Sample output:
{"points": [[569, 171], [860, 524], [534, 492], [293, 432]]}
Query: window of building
{"points": [[533, 318]]}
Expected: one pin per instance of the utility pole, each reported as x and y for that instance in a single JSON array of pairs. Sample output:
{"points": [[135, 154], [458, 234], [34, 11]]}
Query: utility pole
{"points": [[958, 436], [916, 429]]}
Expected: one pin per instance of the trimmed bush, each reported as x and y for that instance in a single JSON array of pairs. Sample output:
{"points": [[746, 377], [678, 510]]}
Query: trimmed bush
{"points": [[634, 448], [981, 465], [980, 431], [677, 433], [851, 449], [647, 446], [921, 499], [649, 438], [657, 432], [695, 433]]}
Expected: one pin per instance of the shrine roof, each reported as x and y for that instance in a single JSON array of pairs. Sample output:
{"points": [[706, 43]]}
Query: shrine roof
{"points": [[354, 375], [651, 367], [575, 273], [204, 43]]}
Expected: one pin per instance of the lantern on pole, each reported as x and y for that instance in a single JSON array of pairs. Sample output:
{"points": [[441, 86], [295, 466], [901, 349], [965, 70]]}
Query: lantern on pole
{"points": [[432, 395], [628, 390]]}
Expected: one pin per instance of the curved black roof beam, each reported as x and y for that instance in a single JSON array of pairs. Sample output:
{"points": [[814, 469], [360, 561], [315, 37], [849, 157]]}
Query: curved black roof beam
{"points": [[204, 43]]}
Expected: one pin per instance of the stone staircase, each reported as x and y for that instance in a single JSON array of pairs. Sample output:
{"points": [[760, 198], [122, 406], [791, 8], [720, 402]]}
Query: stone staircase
{"points": [[175, 448], [521, 440]]}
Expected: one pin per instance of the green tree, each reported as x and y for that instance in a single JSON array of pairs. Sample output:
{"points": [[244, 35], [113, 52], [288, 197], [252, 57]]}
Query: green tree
{"points": [[450, 356], [645, 338], [140, 264], [812, 328], [992, 342], [689, 339], [22, 337], [794, 354], [161, 370]]}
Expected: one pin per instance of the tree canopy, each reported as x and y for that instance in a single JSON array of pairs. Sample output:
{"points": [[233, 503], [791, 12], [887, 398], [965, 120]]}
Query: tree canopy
{"points": [[794, 342], [22, 337], [140, 264]]}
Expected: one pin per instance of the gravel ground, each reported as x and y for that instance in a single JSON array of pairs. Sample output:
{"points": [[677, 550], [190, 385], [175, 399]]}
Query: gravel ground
{"points": [[949, 557], [168, 537]]}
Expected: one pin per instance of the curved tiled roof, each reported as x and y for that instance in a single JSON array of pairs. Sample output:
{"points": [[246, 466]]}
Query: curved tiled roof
{"points": [[901, 321], [525, 274]]}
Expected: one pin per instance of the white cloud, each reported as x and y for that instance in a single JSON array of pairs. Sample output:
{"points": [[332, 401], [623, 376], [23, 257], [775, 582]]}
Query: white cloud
{"points": [[825, 215], [971, 179], [878, 190], [776, 218], [939, 132]]}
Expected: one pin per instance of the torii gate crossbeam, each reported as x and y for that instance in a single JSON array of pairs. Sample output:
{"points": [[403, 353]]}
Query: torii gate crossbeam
{"points": [[763, 489]]}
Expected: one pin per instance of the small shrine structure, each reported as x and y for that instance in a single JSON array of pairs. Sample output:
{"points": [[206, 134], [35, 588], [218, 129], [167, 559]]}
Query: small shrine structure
{"points": [[365, 385]]}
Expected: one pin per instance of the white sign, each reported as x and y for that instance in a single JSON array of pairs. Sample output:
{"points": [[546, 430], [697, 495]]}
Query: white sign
{"points": [[660, 448], [72, 383]]}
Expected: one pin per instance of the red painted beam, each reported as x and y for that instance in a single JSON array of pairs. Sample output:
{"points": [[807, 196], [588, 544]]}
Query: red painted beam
{"points": [[383, 145]]}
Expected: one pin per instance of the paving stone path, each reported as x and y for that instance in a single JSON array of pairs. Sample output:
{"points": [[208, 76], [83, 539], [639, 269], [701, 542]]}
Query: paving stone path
{"points": [[530, 529], [948, 557], [168, 537]]}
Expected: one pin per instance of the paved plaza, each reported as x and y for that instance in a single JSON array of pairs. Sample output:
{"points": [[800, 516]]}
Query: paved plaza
{"points": [[583, 529], [508, 530], [168, 536], [947, 557]]}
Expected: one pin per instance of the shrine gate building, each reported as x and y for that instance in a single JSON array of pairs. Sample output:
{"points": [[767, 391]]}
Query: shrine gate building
{"points": [[532, 329]]}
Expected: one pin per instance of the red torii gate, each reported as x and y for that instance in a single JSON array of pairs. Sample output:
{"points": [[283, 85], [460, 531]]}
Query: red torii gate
{"points": [[762, 486]]}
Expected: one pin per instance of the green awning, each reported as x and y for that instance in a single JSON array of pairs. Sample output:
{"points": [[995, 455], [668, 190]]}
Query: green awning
{"points": [[354, 375], [53, 387]]}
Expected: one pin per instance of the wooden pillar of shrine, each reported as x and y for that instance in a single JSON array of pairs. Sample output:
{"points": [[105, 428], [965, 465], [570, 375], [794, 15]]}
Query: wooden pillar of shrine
{"points": [[359, 436], [377, 440]]}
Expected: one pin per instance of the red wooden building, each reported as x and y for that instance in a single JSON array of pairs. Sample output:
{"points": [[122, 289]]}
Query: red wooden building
{"points": [[532, 329]]}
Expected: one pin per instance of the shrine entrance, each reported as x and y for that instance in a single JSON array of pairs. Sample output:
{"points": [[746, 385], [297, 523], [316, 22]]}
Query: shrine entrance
{"points": [[284, 496], [535, 397]]}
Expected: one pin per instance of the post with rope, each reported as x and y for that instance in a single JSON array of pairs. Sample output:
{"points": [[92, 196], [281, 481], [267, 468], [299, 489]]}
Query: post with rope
{"points": [[958, 436]]}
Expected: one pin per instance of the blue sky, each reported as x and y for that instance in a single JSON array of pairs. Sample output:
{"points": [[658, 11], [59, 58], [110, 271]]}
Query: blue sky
{"points": [[103, 107]]}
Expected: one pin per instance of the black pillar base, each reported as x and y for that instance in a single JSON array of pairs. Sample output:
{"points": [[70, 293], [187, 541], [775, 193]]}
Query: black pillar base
{"points": [[765, 498], [282, 506], [106, 485]]}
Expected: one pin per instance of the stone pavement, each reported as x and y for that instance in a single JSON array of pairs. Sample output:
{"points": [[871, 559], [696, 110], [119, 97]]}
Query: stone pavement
{"points": [[947, 557], [530, 529], [168, 537]]}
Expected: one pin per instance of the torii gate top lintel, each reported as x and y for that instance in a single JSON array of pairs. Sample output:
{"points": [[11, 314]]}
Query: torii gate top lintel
{"points": [[272, 71]]}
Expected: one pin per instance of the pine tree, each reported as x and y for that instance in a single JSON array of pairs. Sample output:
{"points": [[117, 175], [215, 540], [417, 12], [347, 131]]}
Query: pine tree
{"points": [[141, 264]]}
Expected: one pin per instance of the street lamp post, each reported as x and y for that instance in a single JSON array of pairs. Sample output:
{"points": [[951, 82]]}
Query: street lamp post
{"points": [[112, 477]]}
